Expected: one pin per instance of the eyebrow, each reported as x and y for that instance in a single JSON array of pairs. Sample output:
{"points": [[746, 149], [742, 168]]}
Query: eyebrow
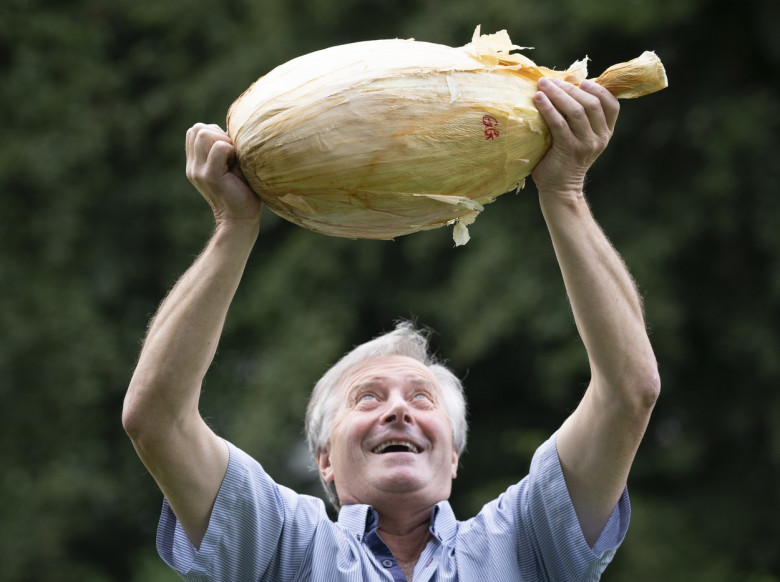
{"points": [[368, 383], [420, 381], [378, 381]]}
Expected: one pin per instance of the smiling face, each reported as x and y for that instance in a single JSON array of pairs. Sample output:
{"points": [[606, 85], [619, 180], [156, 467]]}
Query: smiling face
{"points": [[392, 438]]}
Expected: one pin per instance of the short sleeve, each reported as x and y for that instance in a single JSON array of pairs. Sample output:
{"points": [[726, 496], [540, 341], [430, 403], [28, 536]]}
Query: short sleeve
{"points": [[245, 539], [550, 517], [531, 532]]}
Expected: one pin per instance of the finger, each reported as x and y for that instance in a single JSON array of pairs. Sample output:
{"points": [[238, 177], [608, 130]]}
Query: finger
{"points": [[201, 139], [559, 111], [219, 155], [600, 105], [201, 134], [190, 150], [582, 110], [195, 144], [569, 118], [609, 102], [555, 121]]}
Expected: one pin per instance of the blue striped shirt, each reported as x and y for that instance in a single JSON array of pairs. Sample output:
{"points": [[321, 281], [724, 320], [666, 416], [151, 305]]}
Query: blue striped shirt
{"points": [[262, 531]]}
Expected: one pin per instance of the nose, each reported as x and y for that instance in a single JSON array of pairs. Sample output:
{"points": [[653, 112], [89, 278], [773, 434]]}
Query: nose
{"points": [[398, 411]]}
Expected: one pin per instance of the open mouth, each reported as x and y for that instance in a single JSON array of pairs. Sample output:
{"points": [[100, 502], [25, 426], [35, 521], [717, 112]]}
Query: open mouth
{"points": [[396, 447]]}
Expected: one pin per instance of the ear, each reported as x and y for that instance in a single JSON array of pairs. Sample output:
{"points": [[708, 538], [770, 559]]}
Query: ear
{"points": [[324, 466], [455, 458]]}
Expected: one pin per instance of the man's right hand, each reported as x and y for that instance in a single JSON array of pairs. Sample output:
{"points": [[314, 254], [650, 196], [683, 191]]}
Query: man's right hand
{"points": [[210, 160]]}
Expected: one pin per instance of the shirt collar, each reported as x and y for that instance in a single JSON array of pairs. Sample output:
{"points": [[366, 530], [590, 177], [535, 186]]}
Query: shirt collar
{"points": [[443, 522], [359, 519], [355, 519]]}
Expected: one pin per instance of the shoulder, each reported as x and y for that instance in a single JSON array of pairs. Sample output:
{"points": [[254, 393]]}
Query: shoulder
{"points": [[255, 523], [543, 482], [532, 525], [251, 496]]}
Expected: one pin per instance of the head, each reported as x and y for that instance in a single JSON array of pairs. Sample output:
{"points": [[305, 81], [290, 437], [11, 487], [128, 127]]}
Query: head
{"points": [[395, 363]]}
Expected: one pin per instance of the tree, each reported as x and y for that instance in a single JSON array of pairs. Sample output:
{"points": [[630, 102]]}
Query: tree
{"points": [[98, 221]]}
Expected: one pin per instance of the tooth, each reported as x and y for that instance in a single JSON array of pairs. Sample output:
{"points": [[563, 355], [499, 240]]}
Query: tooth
{"points": [[381, 448]]}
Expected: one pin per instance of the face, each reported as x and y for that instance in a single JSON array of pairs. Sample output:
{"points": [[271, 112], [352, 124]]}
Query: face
{"points": [[391, 438]]}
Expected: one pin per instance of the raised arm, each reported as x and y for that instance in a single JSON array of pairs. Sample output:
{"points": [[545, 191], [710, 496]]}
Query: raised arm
{"points": [[160, 413], [598, 442]]}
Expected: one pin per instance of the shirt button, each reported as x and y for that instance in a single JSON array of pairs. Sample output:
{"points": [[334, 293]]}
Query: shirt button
{"points": [[387, 563]]}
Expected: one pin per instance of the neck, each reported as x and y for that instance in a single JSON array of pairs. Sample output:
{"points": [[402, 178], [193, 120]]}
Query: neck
{"points": [[406, 538]]}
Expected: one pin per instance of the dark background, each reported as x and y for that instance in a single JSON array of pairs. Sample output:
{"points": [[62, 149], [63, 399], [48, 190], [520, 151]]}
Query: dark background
{"points": [[97, 221]]}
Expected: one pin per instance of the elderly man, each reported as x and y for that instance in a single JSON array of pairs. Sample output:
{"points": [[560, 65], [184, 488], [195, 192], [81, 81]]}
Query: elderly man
{"points": [[387, 424]]}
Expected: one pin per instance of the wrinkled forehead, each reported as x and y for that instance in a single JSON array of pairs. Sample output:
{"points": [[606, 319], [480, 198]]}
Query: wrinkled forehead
{"points": [[386, 370]]}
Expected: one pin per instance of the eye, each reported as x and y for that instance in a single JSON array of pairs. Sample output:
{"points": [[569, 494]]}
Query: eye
{"points": [[366, 399], [423, 398]]}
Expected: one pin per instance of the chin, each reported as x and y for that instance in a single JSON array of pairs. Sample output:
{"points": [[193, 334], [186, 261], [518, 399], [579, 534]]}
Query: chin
{"points": [[416, 487], [401, 482]]}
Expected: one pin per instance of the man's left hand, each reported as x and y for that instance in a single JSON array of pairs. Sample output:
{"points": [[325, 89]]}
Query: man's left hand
{"points": [[581, 121]]}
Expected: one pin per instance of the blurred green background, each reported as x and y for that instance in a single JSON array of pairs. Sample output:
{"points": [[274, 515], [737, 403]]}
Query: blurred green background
{"points": [[97, 221]]}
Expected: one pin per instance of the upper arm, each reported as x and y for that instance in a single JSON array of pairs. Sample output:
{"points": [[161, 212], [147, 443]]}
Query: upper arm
{"points": [[188, 461], [596, 447]]}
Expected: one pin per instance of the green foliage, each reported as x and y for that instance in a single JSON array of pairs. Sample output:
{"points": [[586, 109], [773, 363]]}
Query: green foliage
{"points": [[98, 221]]}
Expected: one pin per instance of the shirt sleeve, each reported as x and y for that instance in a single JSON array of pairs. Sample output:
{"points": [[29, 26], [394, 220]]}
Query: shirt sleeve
{"points": [[258, 530], [531, 532], [549, 526]]}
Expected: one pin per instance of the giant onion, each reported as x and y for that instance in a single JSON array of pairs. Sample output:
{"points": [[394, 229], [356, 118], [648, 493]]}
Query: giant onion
{"points": [[384, 138]]}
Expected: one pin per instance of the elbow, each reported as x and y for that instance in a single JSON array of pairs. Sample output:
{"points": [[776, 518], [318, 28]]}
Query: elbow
{"points": [[142, 426], [132, 416], [635, 390], [140, 413], [150, 418], [650, 393], [647, 387]]}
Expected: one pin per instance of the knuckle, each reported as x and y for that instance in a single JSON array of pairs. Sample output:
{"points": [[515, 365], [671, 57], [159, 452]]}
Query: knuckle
{"points": [[557, 124], [197, 128], [578, 112]]}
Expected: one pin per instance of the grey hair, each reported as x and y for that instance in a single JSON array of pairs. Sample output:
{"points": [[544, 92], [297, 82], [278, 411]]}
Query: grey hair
{"points": [[404, 340]]}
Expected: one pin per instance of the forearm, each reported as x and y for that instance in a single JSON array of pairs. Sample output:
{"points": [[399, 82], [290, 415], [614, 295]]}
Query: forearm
{"points": [[183, 336], [597, 442], [606, 305]]}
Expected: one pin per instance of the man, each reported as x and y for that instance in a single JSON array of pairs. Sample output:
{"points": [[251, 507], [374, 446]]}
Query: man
{"points": [[387, 425]]}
